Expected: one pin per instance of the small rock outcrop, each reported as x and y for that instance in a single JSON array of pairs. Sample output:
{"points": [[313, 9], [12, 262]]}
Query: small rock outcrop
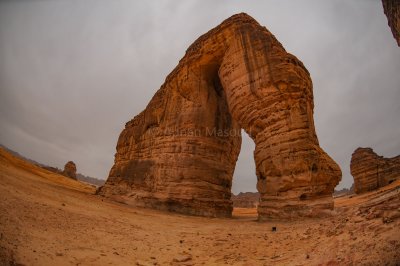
{"points": [[371, 171], [179, 154], [70, 170], [391, 9]]}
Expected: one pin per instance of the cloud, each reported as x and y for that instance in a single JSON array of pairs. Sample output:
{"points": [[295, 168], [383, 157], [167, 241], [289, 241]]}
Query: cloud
{"points": [[73, 72]]}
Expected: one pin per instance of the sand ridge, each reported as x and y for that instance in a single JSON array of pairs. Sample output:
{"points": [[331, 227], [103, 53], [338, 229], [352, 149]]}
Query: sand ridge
{"points": [[48, 219]]}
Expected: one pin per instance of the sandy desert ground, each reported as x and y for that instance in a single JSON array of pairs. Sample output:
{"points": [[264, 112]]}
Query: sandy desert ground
{"points": [[48, 219]]}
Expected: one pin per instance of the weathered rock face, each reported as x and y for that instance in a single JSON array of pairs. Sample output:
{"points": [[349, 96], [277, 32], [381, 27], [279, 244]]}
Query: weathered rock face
{"points": [[392, 12], [371, 171], [70, 170], [179, 154]]}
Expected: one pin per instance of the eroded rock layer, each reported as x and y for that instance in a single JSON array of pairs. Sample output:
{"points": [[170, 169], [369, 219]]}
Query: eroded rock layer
{"points": [[179, 154], [371, 171], [392, 12]]}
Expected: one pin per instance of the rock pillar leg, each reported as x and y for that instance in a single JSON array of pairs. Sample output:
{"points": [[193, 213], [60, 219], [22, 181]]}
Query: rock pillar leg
{"points": [[269, 93]]}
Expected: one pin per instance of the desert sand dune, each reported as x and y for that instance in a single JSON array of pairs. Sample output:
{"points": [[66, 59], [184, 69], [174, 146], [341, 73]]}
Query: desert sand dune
{"points": [[48, 219]]}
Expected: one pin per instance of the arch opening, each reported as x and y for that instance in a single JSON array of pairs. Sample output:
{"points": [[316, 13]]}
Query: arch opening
{"points": [[244, 178]]}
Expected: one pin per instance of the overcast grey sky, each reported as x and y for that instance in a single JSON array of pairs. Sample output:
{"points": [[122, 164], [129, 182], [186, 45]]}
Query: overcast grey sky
{"points": [[73, 72]]}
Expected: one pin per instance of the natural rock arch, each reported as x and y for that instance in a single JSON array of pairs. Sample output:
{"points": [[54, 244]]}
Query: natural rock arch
{"points": [[179, 154]]}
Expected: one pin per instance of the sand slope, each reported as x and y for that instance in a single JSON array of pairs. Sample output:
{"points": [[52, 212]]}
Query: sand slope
{"points": [[48, 219]]}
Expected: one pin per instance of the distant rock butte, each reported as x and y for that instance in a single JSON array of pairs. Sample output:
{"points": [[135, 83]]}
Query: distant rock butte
{"points": [[246, 200], [70, 170], [391, 9], [371, 171], [179, 154]]}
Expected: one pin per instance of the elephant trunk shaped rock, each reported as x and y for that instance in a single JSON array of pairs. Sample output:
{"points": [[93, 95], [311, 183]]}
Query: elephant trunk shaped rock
{"points": [[179, 154]]}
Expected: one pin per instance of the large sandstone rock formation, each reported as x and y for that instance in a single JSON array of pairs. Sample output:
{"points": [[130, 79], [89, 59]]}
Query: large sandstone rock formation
{"points": [[371, 171], [392, 12], [70, 170], [179, 154]]}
